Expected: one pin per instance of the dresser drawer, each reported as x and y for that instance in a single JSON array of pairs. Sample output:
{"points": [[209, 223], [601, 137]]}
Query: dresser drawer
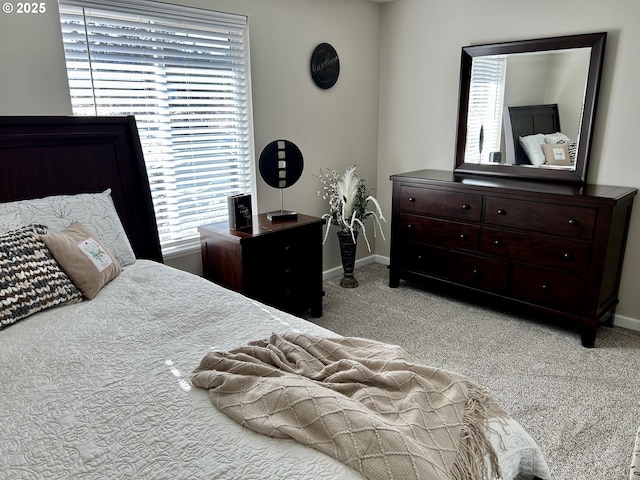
{"points": [[420, 258], [562, 253], [440, 233], [486, 274], [548, 288], [438, 203], [565, 220]]}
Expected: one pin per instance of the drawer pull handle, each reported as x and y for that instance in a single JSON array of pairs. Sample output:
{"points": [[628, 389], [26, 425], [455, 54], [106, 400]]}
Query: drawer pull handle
{"points": [[287, 248], [567, 256], [475, 271], [419, 257], [409, 226], [573, 221], [466, 206], [501, 212], [463, 236], [497, 243], [546, 287], [412, 199]]}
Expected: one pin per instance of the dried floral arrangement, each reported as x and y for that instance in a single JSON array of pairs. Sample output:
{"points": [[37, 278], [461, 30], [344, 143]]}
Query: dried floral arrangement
{"points": [[349, 199]]}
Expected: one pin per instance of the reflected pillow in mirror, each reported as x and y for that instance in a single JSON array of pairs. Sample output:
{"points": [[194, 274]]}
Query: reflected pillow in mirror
{"points": [[572, 145], [531, 144], [556, 154], [557, 137]]}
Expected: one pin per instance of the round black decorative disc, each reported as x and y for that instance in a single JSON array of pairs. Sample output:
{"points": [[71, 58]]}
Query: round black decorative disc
{"points": [[325, 66], [281, 164]]}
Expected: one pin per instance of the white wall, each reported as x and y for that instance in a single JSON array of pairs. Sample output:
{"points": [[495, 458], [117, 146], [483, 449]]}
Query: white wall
{"points": [[33, 75], [419, 76], [334, 128]]}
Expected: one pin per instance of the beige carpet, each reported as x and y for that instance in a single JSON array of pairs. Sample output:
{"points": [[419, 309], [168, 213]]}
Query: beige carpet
{"points": [[581, 405]]}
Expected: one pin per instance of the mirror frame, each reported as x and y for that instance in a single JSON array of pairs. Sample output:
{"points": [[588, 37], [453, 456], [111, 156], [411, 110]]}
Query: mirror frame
{"points": [[597, 43]]}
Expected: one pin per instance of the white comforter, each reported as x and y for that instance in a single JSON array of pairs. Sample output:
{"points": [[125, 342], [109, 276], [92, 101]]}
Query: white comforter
{"points": [[100, 389]]}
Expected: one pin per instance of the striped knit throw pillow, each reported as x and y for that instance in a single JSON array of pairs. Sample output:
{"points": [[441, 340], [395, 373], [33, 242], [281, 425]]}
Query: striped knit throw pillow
{"points": [[30, 279]]}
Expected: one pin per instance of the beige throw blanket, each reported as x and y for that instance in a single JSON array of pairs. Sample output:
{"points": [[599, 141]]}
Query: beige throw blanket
{"points": [[364, 403]]}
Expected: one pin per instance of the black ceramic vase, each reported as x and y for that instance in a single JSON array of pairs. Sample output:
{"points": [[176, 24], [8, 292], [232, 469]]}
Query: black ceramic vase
{"points": [[348, 254]]}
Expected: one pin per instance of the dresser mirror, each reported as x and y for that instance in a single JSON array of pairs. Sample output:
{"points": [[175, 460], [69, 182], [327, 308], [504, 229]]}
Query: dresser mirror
{"points": [[527, 108]]}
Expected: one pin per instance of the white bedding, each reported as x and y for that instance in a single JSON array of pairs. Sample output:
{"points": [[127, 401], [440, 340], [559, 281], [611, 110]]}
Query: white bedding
{"points": [[100, 389]]}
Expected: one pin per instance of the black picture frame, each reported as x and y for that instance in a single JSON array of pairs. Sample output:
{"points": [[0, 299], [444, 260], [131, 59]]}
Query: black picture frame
{"points": [[240, 212]]}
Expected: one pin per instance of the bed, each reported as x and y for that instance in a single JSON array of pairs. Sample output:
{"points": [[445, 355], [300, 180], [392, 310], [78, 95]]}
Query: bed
{"points": [[102, 388], [533, 137]]}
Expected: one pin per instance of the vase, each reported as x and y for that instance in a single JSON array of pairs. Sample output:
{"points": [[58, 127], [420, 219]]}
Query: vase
{"points": [[348, 254]]}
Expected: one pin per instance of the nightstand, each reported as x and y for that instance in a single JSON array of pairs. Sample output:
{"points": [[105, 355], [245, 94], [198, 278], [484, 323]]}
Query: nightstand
{"points": [[277, 263]]}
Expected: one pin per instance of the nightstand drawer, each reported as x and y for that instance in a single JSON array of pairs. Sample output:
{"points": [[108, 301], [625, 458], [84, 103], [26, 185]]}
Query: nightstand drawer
{"points": [[438, 203], [282, 249]]}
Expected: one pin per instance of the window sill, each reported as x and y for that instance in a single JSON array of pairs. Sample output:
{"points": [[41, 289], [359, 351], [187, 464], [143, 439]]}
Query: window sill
{"points": [[181, 249]]}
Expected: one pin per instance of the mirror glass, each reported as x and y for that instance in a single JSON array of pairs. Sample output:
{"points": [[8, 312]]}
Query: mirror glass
{"points": [[527, 108]]}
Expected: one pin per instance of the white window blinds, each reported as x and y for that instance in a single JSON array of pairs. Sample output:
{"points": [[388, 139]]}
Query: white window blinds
{"points": [[484, 121], [184, 74]]}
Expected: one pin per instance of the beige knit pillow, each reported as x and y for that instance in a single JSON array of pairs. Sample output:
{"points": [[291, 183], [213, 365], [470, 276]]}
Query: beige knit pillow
{"points": [[83, 257]]}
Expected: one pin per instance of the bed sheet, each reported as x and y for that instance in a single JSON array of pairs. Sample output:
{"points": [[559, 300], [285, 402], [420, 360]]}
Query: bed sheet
{"points": [[100, 389]]}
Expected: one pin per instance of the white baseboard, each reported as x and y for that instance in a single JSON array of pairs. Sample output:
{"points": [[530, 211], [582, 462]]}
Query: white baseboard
{"points": [[618, 320], [626, 322], [337, 271]]}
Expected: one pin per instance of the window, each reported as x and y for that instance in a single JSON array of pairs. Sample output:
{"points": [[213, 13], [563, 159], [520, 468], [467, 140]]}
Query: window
{"points": [[484, 122], [184, 74]]}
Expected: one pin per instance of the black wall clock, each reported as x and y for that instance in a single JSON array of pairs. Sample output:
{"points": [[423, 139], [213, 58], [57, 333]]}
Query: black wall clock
{"points": [[325, 66]]}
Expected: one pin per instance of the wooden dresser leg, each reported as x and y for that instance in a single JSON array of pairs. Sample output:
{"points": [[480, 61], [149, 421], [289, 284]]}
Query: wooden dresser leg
{"points": [[588, 335], [394, 279], [610, 318]]}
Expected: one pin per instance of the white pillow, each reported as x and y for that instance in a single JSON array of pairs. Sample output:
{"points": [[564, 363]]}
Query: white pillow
{"points": [[9, 221], [95, 210], [532, 146], [557, 137]]}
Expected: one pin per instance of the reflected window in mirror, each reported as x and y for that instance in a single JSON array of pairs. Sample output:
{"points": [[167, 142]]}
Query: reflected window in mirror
{"points": [[486, 98]]}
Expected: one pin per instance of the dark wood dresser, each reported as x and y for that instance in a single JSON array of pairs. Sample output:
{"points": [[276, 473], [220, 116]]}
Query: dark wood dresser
{"points": [[277, 263], [555, 248]]}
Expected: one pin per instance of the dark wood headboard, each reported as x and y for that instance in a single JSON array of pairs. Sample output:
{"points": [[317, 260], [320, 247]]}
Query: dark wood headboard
{"points": [[43, 156], [528, 120]]}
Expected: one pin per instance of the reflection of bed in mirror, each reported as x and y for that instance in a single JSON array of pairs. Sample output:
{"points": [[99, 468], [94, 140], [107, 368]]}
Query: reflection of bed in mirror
{"points": [[531, 134]]}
